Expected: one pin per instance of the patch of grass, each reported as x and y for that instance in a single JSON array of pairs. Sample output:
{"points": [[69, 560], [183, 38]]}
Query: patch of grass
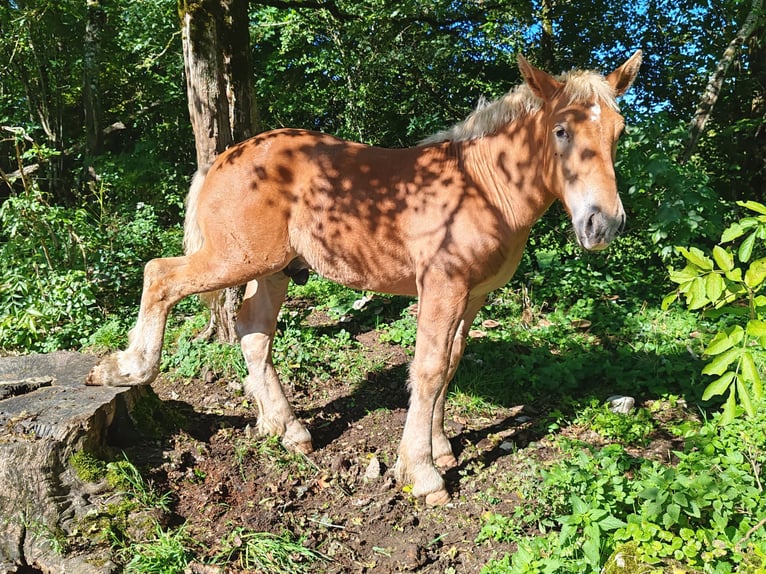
{"points": [[168, 552], [123, 475], [267, 553]]}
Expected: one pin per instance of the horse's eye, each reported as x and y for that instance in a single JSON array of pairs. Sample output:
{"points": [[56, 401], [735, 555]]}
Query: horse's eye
{"points": [[560, 133]]}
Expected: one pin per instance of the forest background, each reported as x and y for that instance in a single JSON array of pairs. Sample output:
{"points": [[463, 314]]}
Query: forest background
{"points": [[97, 149]]}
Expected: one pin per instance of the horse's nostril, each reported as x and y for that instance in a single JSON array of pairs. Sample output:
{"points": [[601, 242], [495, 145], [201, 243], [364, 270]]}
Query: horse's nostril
{"points": [[590, 223], [621, 228]]}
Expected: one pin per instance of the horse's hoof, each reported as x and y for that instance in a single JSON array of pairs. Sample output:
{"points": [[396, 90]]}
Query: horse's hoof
{"points": [[93, 380], [446, 462], [298, 447], [438, 498]]}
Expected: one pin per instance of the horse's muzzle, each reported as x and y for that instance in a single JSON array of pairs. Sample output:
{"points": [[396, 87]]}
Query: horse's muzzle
{"points": [[596, 229]]}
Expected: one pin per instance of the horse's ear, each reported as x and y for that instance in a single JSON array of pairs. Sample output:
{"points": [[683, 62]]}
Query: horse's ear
{"points": [[543, 85], [622, 78]]}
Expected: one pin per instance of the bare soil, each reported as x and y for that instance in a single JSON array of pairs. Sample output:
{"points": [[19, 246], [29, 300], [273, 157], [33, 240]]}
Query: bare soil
{"points": [[341, 500]]}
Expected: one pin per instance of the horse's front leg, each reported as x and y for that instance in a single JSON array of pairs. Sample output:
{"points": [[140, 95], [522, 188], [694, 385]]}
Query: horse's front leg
{"points": [[440, 309], [165, 282], [441, 447]]}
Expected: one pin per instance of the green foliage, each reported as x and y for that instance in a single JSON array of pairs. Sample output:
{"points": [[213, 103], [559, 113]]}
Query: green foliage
{"points": [[169, 552], [186, 357], [64, 267], [266, 552], [591, 506], [733, 293], [632, 429], [670, 202], [88, 467], [401, 331]]}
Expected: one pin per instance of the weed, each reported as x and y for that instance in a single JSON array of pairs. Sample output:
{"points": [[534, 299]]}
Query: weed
{"points": [[169, 552], [601, 506], [267, 553], [123, 475], [632, 429]]}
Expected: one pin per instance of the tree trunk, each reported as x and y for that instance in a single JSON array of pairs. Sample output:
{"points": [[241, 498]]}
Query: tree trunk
{"points": [[91, 70], [715, 83], [220, 93], [546, 40]]}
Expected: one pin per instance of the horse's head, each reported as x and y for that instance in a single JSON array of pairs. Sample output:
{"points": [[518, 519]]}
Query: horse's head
{"points": [[581, 127]]}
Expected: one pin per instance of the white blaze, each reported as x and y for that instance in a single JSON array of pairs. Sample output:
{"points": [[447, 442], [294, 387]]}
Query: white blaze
{"points": [[595, 112]]}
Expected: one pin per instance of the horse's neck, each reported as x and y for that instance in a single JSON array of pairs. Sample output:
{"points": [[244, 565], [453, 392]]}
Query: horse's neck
{"points": [[508, 166]]}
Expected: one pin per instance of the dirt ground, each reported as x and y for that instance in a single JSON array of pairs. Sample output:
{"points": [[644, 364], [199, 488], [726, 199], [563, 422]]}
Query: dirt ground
{"points": [[341, 500]]}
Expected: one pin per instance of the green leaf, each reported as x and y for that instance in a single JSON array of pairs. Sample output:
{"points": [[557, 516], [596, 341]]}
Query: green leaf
{"points": [[756, 328], [684, 275], [714, 286], [753, 206], [756, 273], [729, 409], [725, 340], [746, 248], [696, 298], [611, 523], [744, 397], [668, 300], [720, 363], [723, 258], [718, 387], [671, 515], [734, 275], [732, 232], [749, 372], [697, 257]]}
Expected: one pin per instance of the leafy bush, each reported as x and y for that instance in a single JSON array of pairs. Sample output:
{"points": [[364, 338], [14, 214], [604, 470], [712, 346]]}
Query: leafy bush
{"points": [[66, 267], [734, 294], [595, 507]]}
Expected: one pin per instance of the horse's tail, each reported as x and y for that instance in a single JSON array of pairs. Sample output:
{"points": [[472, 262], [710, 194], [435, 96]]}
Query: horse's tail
{"points": [[193, 239]]}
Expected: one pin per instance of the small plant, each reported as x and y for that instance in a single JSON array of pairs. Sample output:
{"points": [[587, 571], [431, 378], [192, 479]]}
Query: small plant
{"points": [[167, 553], [733, 293], [123, 475], [267, 553], [632, 429]]}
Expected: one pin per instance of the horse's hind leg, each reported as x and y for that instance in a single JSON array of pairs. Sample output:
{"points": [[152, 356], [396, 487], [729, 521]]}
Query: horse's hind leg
{"points": [[166, 281], [256, 325]]}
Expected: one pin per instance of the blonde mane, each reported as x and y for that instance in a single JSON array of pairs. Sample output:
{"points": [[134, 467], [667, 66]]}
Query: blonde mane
{"points": [[488, 117]]}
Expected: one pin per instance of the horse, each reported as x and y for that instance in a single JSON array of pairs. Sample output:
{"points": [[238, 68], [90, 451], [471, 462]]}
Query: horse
{"points": [[446, 220]]}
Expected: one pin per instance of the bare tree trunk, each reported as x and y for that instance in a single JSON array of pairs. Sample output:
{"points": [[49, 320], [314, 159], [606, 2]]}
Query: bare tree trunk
{"points": [[220, 92], [715, 83], [91, 70]]}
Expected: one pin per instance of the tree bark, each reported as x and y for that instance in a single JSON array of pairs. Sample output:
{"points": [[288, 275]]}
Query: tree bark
{"points": [[715, 83], [221, 98], [91, 70]]}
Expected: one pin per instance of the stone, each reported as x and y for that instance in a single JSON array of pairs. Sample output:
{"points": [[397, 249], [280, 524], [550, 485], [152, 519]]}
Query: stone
{"points": [[46, 415], [621, 404]]}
